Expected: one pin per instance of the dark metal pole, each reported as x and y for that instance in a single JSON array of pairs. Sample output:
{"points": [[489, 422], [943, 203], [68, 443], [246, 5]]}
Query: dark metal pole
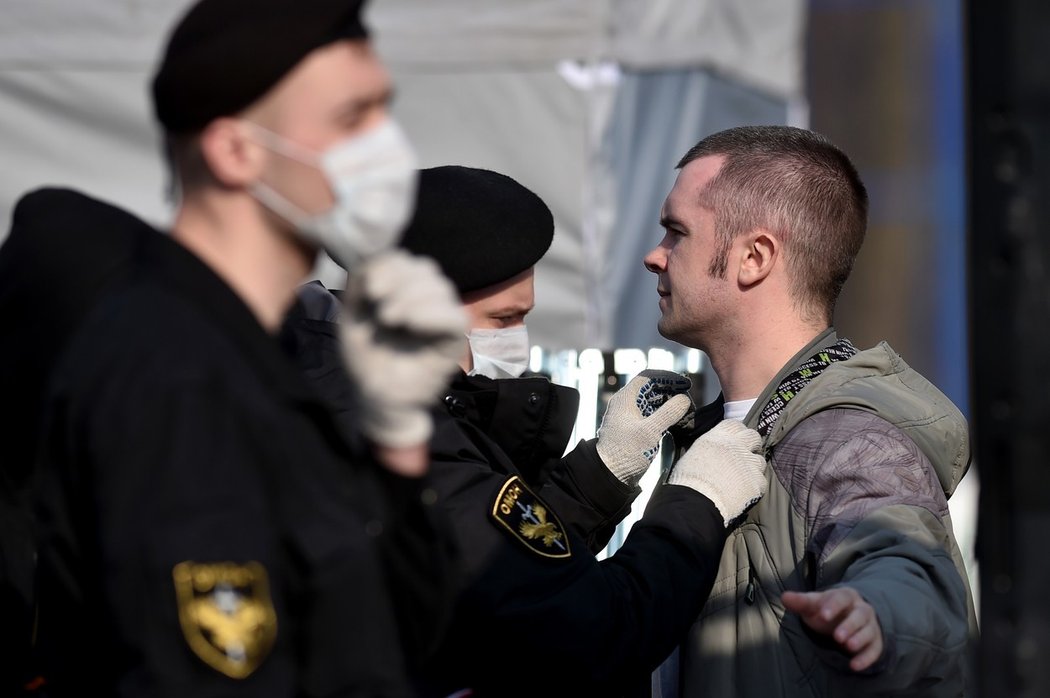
{"points": [[1009, 298]]}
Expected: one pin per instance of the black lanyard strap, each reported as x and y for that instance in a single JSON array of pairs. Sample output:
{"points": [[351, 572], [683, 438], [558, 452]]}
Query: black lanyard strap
{"points": [[799, 378]]}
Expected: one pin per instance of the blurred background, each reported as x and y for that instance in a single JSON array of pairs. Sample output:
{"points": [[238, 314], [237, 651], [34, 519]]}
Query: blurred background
{"points": [[591, 102]]}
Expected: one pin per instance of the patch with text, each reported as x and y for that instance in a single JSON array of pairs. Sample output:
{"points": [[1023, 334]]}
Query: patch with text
{"points": [[529, 520], [226, 614]]}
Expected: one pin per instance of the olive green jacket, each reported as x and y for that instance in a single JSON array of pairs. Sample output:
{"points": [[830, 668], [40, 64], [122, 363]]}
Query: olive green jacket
{"points": [[861, 463]]}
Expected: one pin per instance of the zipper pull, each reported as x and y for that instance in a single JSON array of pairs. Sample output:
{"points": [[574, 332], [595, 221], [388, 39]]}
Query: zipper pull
{"points": [[749, 591]]}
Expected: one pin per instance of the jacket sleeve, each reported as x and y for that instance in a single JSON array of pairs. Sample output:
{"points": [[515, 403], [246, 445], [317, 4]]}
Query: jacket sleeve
{"points": [[589, 498], [601, 624], [591, 623], [875, 515], [421, 563]]}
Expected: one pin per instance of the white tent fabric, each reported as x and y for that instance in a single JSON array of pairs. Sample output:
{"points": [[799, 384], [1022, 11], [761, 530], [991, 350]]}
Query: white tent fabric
{"points": [[577, 99], [754, 41]]}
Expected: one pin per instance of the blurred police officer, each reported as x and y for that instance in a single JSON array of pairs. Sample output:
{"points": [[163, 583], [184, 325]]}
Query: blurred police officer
{"points": [[205, 527], [538, 614]]}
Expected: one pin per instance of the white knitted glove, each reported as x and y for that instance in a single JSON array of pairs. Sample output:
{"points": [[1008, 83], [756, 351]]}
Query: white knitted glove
{"points": [[402, 336], [727, 466], [636, 419]]}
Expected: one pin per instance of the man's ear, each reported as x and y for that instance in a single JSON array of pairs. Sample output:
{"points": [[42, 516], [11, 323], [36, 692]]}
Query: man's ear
{"points": [[234, 159], [760, 251]]}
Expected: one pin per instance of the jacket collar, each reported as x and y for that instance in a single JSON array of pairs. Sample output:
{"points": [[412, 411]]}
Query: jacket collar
{"points": [[530, 418], [180, 270], [824, 339]]}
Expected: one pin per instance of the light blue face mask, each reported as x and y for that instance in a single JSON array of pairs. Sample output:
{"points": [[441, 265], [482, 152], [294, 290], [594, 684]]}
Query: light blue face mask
{"points": [[373, 178], [500, 353]]}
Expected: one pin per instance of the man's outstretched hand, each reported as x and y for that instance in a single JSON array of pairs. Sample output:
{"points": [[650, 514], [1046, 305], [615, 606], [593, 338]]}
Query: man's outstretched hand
{"points": [[845, 616]]}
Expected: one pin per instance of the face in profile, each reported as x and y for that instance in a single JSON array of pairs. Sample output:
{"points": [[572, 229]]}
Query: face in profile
{"points": [[692, 300]]}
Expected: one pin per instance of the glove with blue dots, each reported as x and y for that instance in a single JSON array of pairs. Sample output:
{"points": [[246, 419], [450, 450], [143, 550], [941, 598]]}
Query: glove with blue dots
{"points": [[636, 419]]}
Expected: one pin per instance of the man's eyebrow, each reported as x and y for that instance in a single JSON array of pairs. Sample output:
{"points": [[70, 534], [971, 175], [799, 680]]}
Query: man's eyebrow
{"points": [[667, 220], [512, 308], [356, 104]]}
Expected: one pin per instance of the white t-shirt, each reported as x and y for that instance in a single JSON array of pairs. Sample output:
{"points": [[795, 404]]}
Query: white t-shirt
{"points": [[737, 409]]}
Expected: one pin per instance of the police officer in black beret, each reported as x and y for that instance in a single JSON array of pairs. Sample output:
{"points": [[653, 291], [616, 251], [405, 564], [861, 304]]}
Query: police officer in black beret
{"points": [[538, 614], [206, 528]]}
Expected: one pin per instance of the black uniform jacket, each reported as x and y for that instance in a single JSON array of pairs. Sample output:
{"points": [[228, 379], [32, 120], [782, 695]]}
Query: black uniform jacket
{"points": [[205, 528], [538, 614]]}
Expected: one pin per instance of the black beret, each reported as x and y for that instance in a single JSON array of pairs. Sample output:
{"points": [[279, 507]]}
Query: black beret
{"points": [[482, 227], [223, 55]]}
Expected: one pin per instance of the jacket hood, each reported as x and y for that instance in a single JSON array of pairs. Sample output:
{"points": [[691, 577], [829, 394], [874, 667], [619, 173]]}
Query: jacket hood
{"points": [[879, 381], [63, 250]]}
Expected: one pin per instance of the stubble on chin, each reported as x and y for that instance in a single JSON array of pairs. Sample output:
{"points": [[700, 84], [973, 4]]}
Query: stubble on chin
{"points": [[687, 336], [665, 326]]}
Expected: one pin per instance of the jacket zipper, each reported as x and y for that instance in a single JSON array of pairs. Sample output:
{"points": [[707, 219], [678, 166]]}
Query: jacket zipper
{"points": [[749, 591]]}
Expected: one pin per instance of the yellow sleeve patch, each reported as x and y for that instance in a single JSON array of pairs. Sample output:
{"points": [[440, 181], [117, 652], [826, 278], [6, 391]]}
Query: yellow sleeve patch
{"points": [[226, 614], [529, 521]]}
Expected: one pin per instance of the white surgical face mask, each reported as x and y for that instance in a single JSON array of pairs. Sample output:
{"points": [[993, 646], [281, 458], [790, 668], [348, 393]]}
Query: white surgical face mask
{"points": [[373, 179], [501, 353]]}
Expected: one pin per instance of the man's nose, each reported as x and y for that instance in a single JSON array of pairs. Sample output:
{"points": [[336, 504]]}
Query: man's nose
{"points": [[654, 261]]}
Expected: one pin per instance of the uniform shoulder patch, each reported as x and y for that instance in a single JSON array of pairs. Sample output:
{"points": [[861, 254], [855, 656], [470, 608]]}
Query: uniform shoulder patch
{"points": [[226, 614], [528, 520]]}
